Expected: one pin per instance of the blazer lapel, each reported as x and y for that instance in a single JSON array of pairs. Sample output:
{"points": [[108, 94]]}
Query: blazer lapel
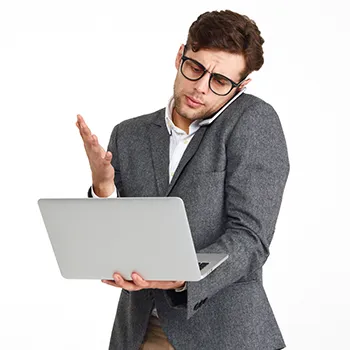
{"points": [[159, 138], [188, 154]]}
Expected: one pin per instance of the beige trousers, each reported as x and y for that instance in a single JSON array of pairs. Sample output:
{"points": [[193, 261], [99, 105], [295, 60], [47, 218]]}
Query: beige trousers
{"points": [[155, 338]]}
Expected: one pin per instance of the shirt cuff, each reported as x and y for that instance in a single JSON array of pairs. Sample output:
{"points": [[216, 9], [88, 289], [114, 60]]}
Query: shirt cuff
{"points": [[113, 195], [182, 288]]}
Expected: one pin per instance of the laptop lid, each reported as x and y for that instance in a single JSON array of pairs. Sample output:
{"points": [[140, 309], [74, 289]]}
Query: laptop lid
{"points": [[93, 238]]}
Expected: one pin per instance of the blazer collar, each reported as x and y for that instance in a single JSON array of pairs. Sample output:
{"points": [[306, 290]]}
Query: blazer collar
{"points": [[159, 139]]}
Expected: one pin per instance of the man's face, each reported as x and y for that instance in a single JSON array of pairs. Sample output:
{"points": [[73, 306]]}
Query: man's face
{"points": [[187, 92]]}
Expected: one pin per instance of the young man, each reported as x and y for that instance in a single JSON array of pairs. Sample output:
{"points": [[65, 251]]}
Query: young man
{"points": [[224, 153]]}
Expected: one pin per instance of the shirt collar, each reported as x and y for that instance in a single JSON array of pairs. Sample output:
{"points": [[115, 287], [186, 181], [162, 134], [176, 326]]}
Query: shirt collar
{"points": [[195, 125]]}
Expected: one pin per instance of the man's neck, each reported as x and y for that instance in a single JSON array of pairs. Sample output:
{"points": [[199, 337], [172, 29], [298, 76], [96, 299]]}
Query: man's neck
{"points": [[181, 122]]}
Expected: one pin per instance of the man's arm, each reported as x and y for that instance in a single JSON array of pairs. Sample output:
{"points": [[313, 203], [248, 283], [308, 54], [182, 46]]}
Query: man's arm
{"points": [[112, 147], [256, 174]]}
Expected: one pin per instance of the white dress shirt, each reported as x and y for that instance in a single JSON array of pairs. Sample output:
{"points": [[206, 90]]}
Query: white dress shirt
{"points": [[179, 141]]}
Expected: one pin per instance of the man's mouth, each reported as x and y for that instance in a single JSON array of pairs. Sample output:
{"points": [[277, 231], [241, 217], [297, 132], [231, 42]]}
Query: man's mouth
{"points": [[192, 102]]}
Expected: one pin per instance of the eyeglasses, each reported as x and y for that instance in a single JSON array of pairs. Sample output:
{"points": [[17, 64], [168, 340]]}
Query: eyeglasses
{"points": [[218, 83]]}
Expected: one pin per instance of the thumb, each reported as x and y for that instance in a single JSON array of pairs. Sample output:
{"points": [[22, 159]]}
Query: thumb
{"points": [[108, 156]]}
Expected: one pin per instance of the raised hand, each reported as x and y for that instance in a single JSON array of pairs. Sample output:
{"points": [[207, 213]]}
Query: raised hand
{"points": [[100, 161]]}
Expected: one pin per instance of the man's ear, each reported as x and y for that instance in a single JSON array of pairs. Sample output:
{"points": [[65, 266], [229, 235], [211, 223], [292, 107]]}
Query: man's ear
{"points": [[245, 82], [178, 56]]}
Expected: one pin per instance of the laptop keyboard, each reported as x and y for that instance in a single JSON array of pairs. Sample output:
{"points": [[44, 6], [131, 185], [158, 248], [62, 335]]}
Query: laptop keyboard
{"points": [[202, 265]]}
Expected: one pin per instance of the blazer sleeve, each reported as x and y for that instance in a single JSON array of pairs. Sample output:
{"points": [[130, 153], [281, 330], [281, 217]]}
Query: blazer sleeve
{"points": [[256, 174], [113, 148]]}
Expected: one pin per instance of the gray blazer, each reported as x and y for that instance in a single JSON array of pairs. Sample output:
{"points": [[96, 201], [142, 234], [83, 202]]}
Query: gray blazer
{"points": [[231, 179]]}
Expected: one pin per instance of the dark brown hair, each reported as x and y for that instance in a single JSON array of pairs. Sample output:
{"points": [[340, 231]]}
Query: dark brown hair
{"points": [[231, 32]]}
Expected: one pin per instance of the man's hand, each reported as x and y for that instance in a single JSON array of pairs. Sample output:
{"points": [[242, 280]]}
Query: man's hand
{"points": [[139, 283], [100, 161]]}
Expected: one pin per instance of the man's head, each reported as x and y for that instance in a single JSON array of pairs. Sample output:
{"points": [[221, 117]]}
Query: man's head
{"points": [[224, 43]]}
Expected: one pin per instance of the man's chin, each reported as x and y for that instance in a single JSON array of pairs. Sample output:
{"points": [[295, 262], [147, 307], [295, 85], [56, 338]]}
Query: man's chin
{"points": [[191, 117], [189, 114]]}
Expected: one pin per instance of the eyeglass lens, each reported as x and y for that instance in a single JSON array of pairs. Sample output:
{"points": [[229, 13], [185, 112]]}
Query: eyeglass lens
{"points": [[218, 83]]}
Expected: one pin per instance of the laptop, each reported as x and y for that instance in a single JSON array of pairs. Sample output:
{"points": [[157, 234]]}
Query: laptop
{"points": [[94, 237]]}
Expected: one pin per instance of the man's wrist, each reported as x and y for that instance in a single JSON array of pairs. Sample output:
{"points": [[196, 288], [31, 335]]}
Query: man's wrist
{"points": [[103, 190]]}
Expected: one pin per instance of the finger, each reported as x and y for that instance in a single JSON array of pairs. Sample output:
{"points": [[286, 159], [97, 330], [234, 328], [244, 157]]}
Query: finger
{"points": [[85, 135], [110, 282], [120, 282], [94, 141], [95, 144], [108, 156], [78, 126], [139, 281], [80, 119], [89, 139], [91, 144], [165, 285], [83, 126]]}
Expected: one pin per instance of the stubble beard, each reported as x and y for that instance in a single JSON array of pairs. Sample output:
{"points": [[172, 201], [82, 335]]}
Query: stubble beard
{"points": [[179, 105]]}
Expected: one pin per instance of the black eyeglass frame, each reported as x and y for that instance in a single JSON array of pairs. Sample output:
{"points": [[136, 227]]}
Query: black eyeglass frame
{"points": [[185, 58]]}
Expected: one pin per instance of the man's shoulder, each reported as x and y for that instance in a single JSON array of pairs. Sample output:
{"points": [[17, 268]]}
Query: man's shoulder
{"points": [[251, 108], [250, 100]]}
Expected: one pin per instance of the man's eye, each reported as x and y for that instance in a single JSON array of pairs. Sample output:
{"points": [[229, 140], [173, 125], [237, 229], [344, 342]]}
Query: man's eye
{"points": [[196, 69], [221, 82]]}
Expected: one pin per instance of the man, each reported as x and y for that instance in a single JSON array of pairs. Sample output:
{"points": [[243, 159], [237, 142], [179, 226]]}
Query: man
{"points": [[224, 153]]}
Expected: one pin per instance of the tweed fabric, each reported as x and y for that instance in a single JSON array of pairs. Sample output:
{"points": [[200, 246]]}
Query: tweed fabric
{"points": [[231, 178]]}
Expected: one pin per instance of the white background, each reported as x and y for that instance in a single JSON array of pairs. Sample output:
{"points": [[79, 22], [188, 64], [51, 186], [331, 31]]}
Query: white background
{"points": [[111, 61]]}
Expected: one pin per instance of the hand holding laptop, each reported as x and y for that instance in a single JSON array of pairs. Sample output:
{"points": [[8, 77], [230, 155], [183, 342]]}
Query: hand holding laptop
{"points": [[139, 283], [103, 173], [100, 161]]}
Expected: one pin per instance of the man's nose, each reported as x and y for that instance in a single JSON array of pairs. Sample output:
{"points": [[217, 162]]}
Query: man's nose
{"points": [[202, 85]]}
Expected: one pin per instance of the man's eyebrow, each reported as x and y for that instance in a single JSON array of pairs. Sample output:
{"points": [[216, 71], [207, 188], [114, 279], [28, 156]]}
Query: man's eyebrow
{"points": [[202, 65]]}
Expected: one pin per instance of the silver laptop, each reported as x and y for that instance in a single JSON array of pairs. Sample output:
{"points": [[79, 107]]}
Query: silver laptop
{"points": [[93, 238]]}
